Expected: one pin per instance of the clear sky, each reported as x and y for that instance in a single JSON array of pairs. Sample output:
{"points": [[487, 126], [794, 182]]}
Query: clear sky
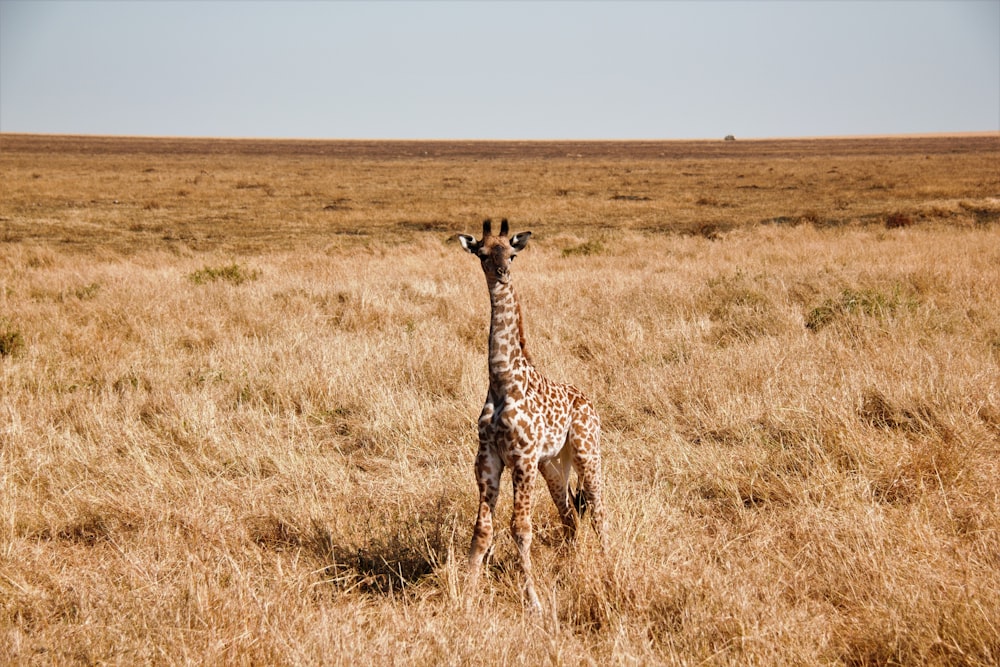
{"points": [[500, 70]]}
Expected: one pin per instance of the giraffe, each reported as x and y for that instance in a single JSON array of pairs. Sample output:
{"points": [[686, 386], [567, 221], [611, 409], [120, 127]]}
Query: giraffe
{"points": [[529, 423]]}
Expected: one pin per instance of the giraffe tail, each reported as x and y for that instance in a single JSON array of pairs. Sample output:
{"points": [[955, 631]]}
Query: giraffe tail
{"points": [[580, 502]]}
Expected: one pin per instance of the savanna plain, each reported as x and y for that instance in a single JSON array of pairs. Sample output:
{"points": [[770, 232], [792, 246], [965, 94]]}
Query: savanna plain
{"points": [[239, 382]]}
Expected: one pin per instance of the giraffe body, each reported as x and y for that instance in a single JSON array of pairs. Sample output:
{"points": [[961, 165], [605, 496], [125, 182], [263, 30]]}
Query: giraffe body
{"points": [[529, 423]]}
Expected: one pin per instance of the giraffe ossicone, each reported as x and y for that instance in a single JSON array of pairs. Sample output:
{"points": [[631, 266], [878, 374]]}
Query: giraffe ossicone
{"points": [[529, 423]]}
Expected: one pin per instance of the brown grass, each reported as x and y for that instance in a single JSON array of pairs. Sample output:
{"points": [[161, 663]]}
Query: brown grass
{"points": [[240, 380]]}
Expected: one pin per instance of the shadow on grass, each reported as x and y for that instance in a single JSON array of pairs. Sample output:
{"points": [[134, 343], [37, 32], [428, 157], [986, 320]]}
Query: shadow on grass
{"points": [[394, 557]]}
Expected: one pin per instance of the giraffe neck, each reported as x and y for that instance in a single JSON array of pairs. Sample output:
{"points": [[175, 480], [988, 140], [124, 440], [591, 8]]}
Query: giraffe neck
{"points": [[507, 351]]}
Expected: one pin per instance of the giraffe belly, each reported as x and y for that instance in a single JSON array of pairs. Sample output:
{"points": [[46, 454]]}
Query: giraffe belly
{"points": [[520, 433]]}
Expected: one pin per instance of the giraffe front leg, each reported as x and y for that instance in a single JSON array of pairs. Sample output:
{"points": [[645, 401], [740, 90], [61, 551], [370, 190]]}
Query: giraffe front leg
{"points": [[523, 474], [488, 470]]}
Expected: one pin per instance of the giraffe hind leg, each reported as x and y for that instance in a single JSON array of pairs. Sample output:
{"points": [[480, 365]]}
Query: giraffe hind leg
{"points": [[590, 497], [587, 461], [556, 475]]}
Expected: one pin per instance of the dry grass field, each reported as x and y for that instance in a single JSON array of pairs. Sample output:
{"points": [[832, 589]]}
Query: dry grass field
{"points": [[239, 383]]}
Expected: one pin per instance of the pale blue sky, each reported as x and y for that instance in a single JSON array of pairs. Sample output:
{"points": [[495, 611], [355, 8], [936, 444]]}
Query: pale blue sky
{"points": [[499, 70]]}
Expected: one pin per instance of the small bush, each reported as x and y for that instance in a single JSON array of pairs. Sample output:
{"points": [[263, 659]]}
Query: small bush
{"points": [[897, 220], [740, 308], [620, 197], [86, 292], [267, 188], [811, 216], [233, 273], [11, 341], [982, 214], [592, 247], [865, 302], [250, 185]]}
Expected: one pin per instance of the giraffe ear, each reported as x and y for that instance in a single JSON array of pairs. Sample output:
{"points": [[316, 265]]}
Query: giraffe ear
{"points": [[469, 243], [518, 241]]}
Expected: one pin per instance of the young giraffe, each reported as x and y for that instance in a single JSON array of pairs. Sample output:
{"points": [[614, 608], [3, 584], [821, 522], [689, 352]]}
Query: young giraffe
{"points": [[528, 423]]}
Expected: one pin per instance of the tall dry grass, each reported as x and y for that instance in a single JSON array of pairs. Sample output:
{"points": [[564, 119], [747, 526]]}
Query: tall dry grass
{"points": [[215, 451]]}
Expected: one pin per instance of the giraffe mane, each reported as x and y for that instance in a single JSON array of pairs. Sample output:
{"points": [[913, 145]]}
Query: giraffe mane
{"points": [[521, 337]]}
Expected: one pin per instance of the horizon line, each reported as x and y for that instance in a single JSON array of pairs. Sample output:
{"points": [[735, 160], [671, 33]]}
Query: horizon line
{"points": [[818, 137]]}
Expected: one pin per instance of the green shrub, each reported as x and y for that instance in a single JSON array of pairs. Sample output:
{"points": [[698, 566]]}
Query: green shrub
{"points": [[592, 247], [233, 273], [869, 302]]}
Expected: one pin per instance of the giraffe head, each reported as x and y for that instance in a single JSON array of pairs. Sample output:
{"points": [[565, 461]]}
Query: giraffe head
{"points": [[495, 252]]}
